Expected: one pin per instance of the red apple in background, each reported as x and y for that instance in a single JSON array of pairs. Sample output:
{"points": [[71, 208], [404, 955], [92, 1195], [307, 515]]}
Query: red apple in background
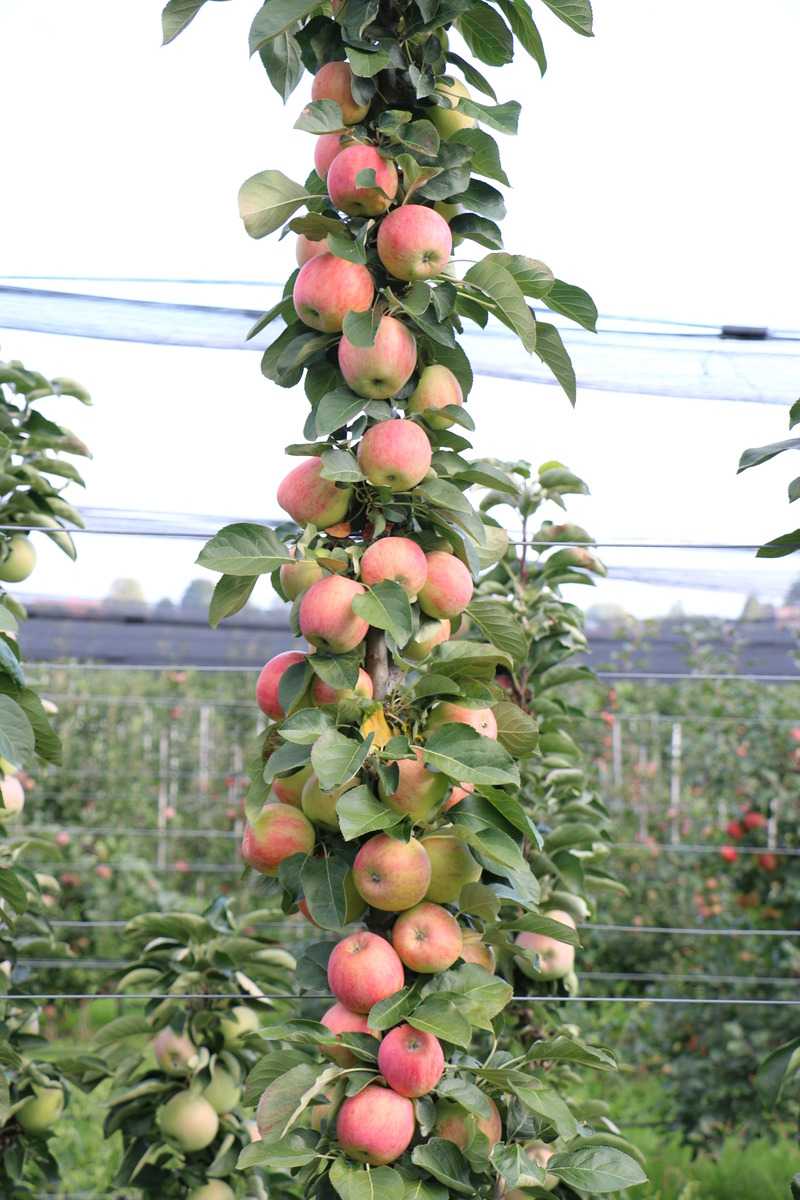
{"points": [[328, 288], [327, 619], [323, 693], [427, 938], [345, 192], [473, 950], [481, 719], [448, 588], [456, 1125], [419, 791], [311, 500], [339, 1019], [768, 862], [429, 635], [327, 147], [411, 1062], [173, 1050], [395, 454], [289, 789], [297, 577], [452, 866], [364, 969], [734, 830], [437, 388], [398, 559], [306, 249], [277, 832], [754, 820], [269, 681], [382, 369], [320, 806], [334, 81], [376, 1126], [729, 854], [414, 242], [391, 875], [556, 958], [459, 793]]}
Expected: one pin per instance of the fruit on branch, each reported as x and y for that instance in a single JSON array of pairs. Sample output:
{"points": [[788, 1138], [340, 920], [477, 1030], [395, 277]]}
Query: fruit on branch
{"points": [[414, 242], [457, 1125], [449, 120], [344, 190], [224, 1092], [235, 1027], [448, 588], [364, 969], [269, 682], [754, 820], [17, 558], [215, 1189], [326, 616], [396, 454], [481, 719], [540, 1153], [473, 950], [278, 832], [41, 1111], [327, 147], [556, 958], [378, 371], [376, 1126], [452, 867], [395, 558], [334, 81], [429, 635], [328, 288], [459, 793], [354, 905], [323, 693], [437, 388], [173, 1050], [305, 249], [729, 854], [297, 577], [189, 1120], [392, 875], [411, 1062], [320, 806], [289, 789], [310, 499], [734, 830], [428, 939], [767, 862], [339, 1019], [13, 794], [419, 792]]}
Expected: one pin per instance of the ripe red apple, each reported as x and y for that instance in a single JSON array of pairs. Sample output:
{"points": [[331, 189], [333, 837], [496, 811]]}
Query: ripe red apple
{"points": [[419, 792], [364, 969], [269, 681], [411, 1062], [289, 789], [396, 454], [437, 388], [379, 371], [449, 120], [327, 147], [448, 588], [754, 820], [729, 854], [306, 249], [334, 81], [481, 719], [339, 1019], [459, 793], [556, 958], [398, 559], [344, 191], [427, 938], [376, 1126], [323, 693], [327, 288], [13, 795], [277, 832], [734, 830], [414, 242], [173, 1050], [452, 866], [392, 875], [320, 806], [311, 500], [189, 1120], [429, 635], [457, 1125], [327, 619], [474, 950], [767, 862]]}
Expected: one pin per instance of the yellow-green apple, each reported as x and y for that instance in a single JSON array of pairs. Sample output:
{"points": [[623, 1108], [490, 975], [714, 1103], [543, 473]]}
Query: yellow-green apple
{"points": [[392, 875], [290, 789], [437, 388], [173, 1050], [429, 635], [427, 938], [17, 558], [414, 242], [556, 958], [323, 693], [398, 559], [334, 81], [234, 1027], [278, 832], [339, 1019], [224, 1091], [326, 615], [364, 969], [297, 577], [325, 151], [457, 1125], [13, 795], [411, 1062], [395, 454], [448, 587], [452, 866], [310, 499], [269, 682], [189, 1120], [306, 249], [445, 713], [380, 370], [419, 791], [473, 950], [376, 1126], [449, 120], [345, 192], [320, 806], [540, 1153], [215, 1189], [354, 905], [41, 1111], [327, 288], [460, 792]]}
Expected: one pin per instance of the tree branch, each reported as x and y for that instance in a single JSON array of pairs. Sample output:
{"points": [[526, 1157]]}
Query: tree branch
{"points": [[377, 662]]}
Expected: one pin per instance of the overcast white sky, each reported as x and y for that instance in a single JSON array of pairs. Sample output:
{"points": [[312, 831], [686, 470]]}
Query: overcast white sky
{"points": [[656, 165]]}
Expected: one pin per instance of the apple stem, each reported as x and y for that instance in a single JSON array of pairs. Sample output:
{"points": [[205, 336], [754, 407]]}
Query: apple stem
{"points": [[377, 662]]}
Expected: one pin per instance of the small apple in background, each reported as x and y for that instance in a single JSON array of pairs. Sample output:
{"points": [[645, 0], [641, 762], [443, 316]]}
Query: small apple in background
{"points": [[754, 820], [419, 792], [427, 938], [13, 795], [224, 1092], [474, 950], [376, 1126], [767, 862], [42, 1110], [334, 81], [17, 558], [729, 854], [323, 693], [392, 875], [269, 682], [339, 1019], [411, 1062], [459, 793], [237, 1024], [734, 830], [327, 147], [215, 1189], [320, 806], [396, 454], [310, 499], [449, 120], [345, 192], [452, 867], [457, 1125], [327, 288], [297, 577], [437, 388], [378, 371], [173, 1050], [326, 614], [429, 635], [305, 249], [289, 789], [414, 242], [189, 1120], [448, 587], [398, 559], [364, 969], [556, 958], [481, 719], [278, 832]]}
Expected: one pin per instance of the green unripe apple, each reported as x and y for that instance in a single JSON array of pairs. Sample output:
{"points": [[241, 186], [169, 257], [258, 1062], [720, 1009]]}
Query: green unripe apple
{"points": [[42, 1110], [19, 560], [189, 1120], [223, 1093], [239, 1022], [215, 1189]]}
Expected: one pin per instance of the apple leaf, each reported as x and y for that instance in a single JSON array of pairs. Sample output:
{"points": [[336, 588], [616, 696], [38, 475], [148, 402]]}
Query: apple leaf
{"points": [[287, 1096], [444, 1160], [360, 813], [465, 756], [440, 1016], [268, 199], [244, 549], [320, 116], [486, 34], [230, 596], [577, 14], [386, 606], [597, 1169], [322, 880], [353, 1182], [495, 281], [573, 302], [276, 16], [336, 758], [17, 741], [393, 1009]]}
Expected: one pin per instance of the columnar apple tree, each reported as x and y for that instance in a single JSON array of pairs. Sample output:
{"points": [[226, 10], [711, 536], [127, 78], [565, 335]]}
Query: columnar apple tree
{"points": [[385, 799]]}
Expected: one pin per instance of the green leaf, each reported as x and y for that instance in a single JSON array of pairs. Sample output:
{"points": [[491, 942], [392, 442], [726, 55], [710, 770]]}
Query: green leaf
{"points": [[393, 1009], [466, 757], [323, 882], [366, 64], [338, 671], [794, 414], [779, 547], [176, 15], [244, 549], [320, 116], [472, 76], [336, 409], [575, 13], [386, 606], [479, 994], [121, 1028], [268, 199], [231, 594], [283, 63], [761, 454], [565, 1049], [10, 664], [360, 328], [536, 923], [341, 466], [286, 1155], [485, 153], [547, 1103], [440, 1016], [47, 743], [422, 137], [534, 277], [497, 283], [496, 621], [523, 26], [353, 1182], [573, 302], [276, 16], [285, 760], [12, 890], [336, 758], [486, 34], [551, 350], [445, 1162], [502, 117], [305, 726], [477, 229], [469, 660], [360, 813], [774, 1072], [596, 1169], [516, 729], [287, 1096], [16, 733], [467, 1094]]}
